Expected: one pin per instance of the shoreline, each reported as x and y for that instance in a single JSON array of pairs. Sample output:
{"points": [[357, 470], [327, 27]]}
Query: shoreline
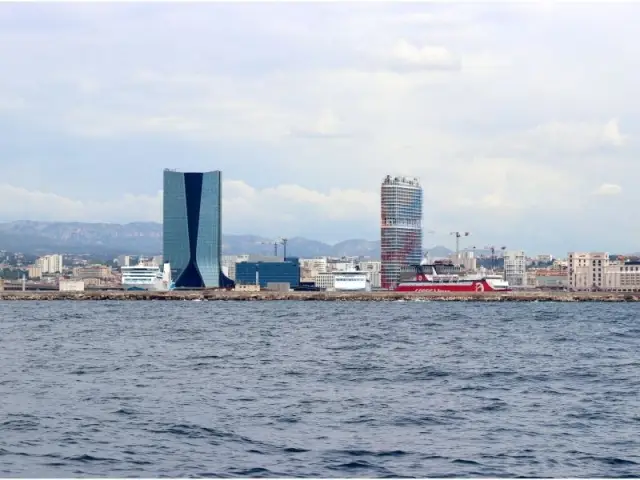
{"points": [[221, 295]]}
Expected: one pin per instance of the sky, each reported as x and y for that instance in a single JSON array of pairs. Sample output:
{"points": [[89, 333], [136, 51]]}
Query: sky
{"points": [[520, 120]]}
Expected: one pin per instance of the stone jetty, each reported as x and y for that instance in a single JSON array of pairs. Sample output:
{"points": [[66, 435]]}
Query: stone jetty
{"points": [[222, 295]]}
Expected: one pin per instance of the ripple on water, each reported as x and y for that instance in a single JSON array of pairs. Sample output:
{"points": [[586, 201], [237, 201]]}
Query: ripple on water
{"points": [[273, 389]]}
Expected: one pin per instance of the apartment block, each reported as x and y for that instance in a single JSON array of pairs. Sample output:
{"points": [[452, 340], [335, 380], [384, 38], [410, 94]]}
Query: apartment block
{"points": [[50, 263], [515, 268], [34, 271], [466, 259], [310, 267], [374, 271]]}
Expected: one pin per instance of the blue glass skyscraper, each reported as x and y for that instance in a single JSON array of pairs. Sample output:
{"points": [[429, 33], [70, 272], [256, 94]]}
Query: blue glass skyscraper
{"points": [[192, 237]]}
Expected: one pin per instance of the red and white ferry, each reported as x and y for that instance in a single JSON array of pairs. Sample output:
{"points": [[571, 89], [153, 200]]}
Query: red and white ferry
{"points": [[443, 276]]}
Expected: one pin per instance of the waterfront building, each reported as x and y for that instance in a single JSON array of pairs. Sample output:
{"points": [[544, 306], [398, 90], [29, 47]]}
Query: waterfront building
{"points": [[623, 277], [102, 272], [192, 224], [263, 273], [401, 227], [586, 270], [515, 268]]}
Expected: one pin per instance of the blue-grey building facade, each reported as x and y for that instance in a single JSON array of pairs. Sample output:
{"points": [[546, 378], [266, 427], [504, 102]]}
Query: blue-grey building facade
{"points": [[192, 234], [269, 272]]}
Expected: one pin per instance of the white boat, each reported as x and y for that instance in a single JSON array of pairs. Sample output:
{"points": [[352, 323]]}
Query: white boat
{"points": [[147, 277]]}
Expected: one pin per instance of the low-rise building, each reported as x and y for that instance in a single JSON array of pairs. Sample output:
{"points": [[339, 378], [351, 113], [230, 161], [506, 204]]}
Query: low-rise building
{"points": [[324, 281], [246, 288], [587, 270], [264, 272], [34, 271], [550, 278], [623, 277], [102, 272], [544, 258], [65, 285]]}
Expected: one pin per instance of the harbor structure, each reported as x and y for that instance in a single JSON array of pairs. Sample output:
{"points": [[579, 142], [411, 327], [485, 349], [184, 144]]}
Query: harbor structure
{"points": [[192, 229], [400, 228]]}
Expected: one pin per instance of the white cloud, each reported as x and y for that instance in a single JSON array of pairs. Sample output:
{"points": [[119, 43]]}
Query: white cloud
{"points": [[569, 137], [287, 206], [428, 56], [495, 107], [608, 189]]}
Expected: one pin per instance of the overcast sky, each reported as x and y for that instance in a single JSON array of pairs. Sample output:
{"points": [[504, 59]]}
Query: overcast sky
{"points": [[521, 121]]}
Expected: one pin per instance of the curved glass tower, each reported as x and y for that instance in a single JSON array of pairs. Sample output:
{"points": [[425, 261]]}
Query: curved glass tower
{"points": [[192, 238], [400, 228]]}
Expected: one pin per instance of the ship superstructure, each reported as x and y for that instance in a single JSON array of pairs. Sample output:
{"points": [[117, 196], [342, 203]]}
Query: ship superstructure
{"points": [[146, 276], [444, 276]]}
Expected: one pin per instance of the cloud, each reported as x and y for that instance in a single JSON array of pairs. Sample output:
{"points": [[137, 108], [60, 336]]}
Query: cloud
{"points": [[246, 209], [428, 57], [572, 137], [496, 107], [608, 189]]}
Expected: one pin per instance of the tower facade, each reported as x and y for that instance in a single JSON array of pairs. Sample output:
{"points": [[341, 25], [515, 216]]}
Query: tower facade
{"points": [[400, 228], [191, 225]]}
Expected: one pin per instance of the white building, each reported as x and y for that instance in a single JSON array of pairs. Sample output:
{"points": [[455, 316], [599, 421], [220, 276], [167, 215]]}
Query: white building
{"points": [[587, 270], [71, 285], [544, 258], [311, 267], [515, 268], [373, 268], [466, 259], [623, 277], [351, 282], [50, 263], [228, 265], [325, 280], [341, 265]]}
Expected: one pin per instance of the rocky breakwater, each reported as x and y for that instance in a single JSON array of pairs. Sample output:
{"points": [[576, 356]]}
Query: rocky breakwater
{"points": [[221, 295]]}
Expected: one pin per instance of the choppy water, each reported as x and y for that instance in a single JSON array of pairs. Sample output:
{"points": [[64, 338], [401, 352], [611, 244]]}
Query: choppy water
{"points": [[319, 389]]}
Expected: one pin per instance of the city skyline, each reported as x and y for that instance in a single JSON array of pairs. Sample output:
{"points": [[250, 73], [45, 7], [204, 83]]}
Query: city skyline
{"points": [[516, 132]]}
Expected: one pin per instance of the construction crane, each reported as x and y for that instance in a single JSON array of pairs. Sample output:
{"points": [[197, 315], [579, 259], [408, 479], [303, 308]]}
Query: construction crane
{"points": [[458, 235], [280, 241], [283, 242], [275, 246], [493, 254]]}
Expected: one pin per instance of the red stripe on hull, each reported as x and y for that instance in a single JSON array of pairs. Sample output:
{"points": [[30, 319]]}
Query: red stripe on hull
{"points": [[475, 287]]}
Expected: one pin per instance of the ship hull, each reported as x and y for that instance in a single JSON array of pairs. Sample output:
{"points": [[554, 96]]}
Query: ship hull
{"points": [[480, 286], [146, 287]]}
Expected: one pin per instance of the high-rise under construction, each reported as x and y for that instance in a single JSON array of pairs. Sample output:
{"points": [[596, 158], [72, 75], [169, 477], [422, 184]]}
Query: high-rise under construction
{"points": [[400, 227]]}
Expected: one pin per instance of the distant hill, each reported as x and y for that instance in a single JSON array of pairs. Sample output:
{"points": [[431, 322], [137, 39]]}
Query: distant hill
{"points": [[145, 238]]}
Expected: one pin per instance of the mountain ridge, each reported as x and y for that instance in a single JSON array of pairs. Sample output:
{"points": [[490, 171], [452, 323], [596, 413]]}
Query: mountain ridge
{"points": [[145, 238]]}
